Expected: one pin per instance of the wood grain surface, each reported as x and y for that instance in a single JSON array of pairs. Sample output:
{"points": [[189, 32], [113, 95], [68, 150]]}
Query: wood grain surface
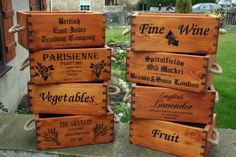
{"points": [[182, 33], [55, 30], [70, 65], [169, 137], [177, 71], [71, 98], [57, 132], [172, 105]]}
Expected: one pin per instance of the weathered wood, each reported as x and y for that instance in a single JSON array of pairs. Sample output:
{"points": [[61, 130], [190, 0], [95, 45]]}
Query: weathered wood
{"points": [[182, 33], [9, 44], [178, 71], [71, 98], [172, 105], [70, 65], [57, 132], [55, 30], [174, 138]]}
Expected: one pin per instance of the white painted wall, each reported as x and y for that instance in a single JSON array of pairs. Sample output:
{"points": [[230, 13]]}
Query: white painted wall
{"points": [[13, 85]]}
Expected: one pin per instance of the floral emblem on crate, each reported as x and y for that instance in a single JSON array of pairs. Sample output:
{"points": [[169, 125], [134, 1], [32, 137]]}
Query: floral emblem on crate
{"points": [[100, 130], [171, 39], [43, 71], [51, 136], [98, 68]]}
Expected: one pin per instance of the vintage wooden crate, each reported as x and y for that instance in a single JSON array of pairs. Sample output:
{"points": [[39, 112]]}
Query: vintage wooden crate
{"points": [[173, 138], [65, 131], [182, 33], [54, 30], [70, 65], [71, 98], [172, 105], [185, 72]]}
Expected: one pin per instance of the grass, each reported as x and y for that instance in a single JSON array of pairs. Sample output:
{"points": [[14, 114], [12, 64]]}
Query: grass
{"points": [[115, 34], [225, 84]]}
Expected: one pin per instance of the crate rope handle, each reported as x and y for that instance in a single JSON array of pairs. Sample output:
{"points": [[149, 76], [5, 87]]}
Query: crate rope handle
{"points": [[216, 69], [25, 64], [117, 90], [16, 28], [27, 124], [217, 98], [215, 141]]}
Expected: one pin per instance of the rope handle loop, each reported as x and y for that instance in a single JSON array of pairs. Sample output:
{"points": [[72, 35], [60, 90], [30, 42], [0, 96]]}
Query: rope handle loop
{"points": [[216, 69], [117, 90], [216, 138], [25, 64], [16, 28], [27, 127]]}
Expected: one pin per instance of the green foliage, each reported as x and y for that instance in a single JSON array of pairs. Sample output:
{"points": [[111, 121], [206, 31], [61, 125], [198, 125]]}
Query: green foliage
{"points": [[225, 84], [23, 111], [122, 109], [203, 1], [155, 3], [183, 6]]}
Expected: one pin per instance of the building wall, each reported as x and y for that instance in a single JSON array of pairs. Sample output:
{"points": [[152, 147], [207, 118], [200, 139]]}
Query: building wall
{"points": [[74, 5], [13, 85]]}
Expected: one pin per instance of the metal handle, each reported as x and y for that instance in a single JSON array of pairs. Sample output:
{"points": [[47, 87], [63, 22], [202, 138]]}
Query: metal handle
{"points": [[216, 136], [216, 69], [27, 127], [16, 28]]}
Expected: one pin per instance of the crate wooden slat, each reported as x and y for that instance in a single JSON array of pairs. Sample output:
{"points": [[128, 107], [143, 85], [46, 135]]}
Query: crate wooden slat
{"points": [[71, 98], [55, 30], [65, 131], [182, 33], [173, 138], [172, 105], [177, 71], [70, 65]]}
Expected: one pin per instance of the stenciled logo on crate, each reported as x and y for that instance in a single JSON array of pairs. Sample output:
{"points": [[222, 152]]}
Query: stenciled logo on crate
{"points": [[100, 130], [54, 99], [182, 30], [51, 135], [43, 71], [172, 39], [69, 29], [98, 68], [161, 135]]}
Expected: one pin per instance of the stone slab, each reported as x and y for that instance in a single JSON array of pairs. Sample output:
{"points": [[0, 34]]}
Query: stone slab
{"points": [[14, 141]]}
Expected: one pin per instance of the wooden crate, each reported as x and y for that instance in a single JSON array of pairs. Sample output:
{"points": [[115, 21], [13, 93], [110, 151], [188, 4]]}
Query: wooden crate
{"points": [[178, 71], [173, 138], [65, 131], [70, 65], [182, 33], [55, 30], [172, 105], [71, 98]]}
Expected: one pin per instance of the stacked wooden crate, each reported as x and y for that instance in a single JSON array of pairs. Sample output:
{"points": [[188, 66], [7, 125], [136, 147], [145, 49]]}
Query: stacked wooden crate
{"points": [[175, 54], [69, 67]]}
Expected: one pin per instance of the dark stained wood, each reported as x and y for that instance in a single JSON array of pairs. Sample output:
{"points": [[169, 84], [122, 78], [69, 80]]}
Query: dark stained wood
{"points": [[8, 40]]}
